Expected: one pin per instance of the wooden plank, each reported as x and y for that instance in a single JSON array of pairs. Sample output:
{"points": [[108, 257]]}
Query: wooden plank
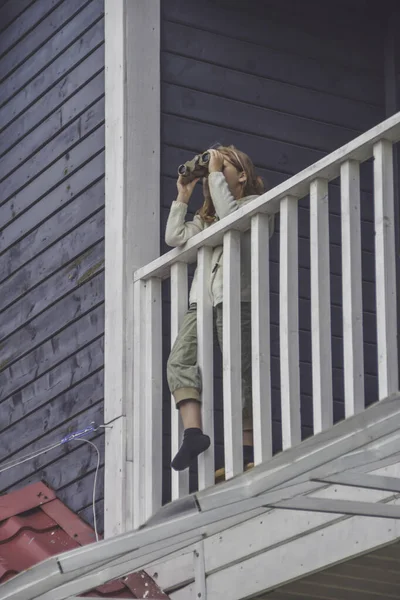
{"points": [[57, 174], [51, 49], [55, 72], [268, 93], [136, 417], [260, 335], [231, 356], [352, 291], [53, 99], [20, 177], [251, 119], [132, 159], [53, 414], [51, 231], [320, 306], [52, 352], [271, 32], [71, 110], [53, 319], [179, 306], [51, 290], [46, 26], [301, 71], [289, 323], [55, 383], [152, 398], [67, 249], [114, 508], [29, 15], [205, 359], [11, 10], [386, 297], [79, 188]]}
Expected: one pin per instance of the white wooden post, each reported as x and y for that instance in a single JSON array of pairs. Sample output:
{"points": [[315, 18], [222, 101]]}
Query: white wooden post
{"points": [[132, 166], [260, 336], [320, 306], [231, 359], [353, 352], [289, 323], [205, 362], [385, 260], [179, 305], [137, 417], [151, 432]]}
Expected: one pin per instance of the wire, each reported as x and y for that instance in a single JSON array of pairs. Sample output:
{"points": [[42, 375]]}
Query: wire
{"points": [[94, 483], [72, 437]]}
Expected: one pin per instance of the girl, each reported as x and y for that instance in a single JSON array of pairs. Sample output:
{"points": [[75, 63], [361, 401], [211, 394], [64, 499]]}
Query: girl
{"points": [[231, 182]]}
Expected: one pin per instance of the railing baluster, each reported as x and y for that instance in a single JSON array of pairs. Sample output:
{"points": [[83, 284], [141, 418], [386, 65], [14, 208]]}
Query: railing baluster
{"points": [[320, 306], [206, 362], [385, 260], [260, 335], [353, 352], [138, 417], [289, 323], [152, 427], [179, 305], [231, 359]]}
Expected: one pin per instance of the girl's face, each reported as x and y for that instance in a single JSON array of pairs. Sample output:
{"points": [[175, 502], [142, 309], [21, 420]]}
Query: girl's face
{"points": [[235, 179]]}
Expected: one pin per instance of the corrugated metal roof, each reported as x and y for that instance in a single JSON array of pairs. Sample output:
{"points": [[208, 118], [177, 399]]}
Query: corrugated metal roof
{"points": [[35, 525]]}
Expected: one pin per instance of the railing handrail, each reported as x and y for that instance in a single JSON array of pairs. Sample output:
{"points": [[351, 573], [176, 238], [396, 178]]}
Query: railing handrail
{"points": [[360, 149]]}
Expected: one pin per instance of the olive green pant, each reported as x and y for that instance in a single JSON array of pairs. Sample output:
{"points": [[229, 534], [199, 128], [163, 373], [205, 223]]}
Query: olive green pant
{"points": [[183, 374]]}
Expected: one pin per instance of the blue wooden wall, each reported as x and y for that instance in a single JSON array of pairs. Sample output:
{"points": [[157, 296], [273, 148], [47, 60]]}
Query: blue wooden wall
{"points": [[52, 241], [287, 85]]}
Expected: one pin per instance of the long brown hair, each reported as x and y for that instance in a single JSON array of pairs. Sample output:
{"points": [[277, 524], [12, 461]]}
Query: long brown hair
{"points": [[253, 185]]}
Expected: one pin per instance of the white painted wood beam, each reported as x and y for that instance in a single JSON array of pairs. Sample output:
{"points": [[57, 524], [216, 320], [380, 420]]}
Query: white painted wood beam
{"points": [[132, 167], [179, 306], [231, 356], [289, 323], [320, 306], [260, 335], [353, 351], [205, 358], [385, 257]]}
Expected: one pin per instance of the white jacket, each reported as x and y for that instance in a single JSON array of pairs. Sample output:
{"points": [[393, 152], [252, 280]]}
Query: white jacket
{"points": [[178, 231]]}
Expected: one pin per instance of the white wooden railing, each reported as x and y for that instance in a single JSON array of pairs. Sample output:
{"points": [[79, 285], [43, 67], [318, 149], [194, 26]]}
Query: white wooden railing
{"points": [[313, 181]]}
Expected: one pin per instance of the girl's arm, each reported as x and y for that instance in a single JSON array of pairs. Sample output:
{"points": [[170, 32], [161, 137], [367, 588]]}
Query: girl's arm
{"points": [[222, 198], [177, 231]]}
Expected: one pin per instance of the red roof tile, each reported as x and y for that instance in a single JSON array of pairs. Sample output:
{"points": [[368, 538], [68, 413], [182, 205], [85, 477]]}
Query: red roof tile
{"points": [[35, 525]]}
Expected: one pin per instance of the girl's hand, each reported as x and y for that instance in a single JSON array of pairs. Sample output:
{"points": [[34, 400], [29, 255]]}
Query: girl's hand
{"points": [[216, 161], [185, 190]]}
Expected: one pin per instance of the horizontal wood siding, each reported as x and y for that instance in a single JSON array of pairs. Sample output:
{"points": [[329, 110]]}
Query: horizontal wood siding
{"points": [[286, 85], [52, 244]]}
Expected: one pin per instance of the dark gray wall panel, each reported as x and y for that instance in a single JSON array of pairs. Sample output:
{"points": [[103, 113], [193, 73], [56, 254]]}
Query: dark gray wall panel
{"points": [[52, 244]]}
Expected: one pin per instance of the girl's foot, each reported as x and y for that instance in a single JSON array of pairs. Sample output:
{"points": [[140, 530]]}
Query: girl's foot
{"points": [[248, 463], [194, 443]]}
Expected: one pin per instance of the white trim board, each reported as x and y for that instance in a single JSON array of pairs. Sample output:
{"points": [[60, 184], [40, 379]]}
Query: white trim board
{"points": [[132, 107]]}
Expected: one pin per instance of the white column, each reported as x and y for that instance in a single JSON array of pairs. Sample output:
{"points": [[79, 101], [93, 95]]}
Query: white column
{"points": [[320, 306], [179, 306], [289, 323], [353, 351], [385, 257], [231, 360], [260, 337], [205, 359], [132, 115]]}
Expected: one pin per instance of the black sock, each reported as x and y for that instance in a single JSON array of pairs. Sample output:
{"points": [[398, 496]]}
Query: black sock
{"points": [[248, 455], [194, 443]]}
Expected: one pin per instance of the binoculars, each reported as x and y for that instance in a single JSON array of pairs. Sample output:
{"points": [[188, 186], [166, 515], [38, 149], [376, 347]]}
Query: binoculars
{"points": [[197, 167]]}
